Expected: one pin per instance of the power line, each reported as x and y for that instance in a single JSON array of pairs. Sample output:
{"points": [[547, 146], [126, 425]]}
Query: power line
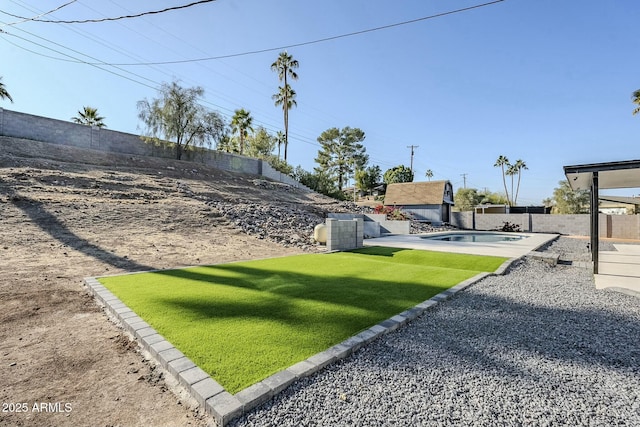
{"points": [[35, 18], [322, 40], [137, 15]]}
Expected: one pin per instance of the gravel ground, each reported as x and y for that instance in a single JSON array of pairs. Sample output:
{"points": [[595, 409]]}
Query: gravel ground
{"points": [[538, 346]]}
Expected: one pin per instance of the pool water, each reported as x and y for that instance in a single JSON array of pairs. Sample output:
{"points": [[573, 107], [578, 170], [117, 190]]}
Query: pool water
{"points": [[475, 237]]}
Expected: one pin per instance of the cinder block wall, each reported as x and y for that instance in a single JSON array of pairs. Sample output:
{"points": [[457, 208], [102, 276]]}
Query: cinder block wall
{"points": [[269, 172], [384, 225], [623, 225], [26, 126], [462, 220], [613, 226], [496, 221], [344, 235], [573, 225]]}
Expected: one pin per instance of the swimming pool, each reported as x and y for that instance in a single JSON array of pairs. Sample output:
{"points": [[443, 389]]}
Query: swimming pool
{"points": [[475, 237], [525, 243]]}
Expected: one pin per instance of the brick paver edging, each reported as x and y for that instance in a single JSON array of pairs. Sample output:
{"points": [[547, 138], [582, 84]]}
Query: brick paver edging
{"points": [[215, 400]]}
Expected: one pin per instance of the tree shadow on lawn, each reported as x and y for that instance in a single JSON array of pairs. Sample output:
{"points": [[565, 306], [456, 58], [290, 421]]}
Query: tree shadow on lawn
{"points": [[335, 322], [385, 296]]}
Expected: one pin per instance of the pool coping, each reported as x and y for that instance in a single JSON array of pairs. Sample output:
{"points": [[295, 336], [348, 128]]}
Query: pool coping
{"points": [[210, 395]]}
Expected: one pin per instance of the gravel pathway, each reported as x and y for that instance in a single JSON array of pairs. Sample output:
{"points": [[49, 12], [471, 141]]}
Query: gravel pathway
{"points": [[538, 346]]}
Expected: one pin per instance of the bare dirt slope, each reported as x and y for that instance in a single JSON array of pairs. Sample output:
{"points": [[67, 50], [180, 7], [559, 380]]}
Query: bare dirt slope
{"points": [[66, 214]]}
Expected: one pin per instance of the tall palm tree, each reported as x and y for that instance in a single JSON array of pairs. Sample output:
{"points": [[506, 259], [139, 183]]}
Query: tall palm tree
{"points": [[285, 66], [89, 116], [429, 174], [519, 165], [635, 97], [3, 92], [279, 140], [286, 97], [511, 172], [502, 162], [241, 124]]}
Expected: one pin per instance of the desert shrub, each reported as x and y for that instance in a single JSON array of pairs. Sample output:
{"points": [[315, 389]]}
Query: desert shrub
{"points": [[392, 213], [509, 227]]}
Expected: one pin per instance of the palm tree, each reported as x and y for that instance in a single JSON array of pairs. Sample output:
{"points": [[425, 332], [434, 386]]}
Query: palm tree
{"points": [[89, 116], [635, 97], [520, 165], [502, 162], [286, 97], [285, 66], [429, 174], [241, 123], [3, 92], [279, 140], [511, 171]]}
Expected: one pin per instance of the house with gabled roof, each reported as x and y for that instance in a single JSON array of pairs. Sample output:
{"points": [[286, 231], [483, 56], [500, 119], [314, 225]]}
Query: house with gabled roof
{"points": [[618, 205], [426, 201]]}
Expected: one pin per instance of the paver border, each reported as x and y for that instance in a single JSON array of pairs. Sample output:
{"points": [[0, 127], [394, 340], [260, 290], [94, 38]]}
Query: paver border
{"points": [[211, 396]]}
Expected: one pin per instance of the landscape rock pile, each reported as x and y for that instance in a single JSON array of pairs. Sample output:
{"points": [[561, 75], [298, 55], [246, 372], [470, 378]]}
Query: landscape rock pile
{"points": [[286, 225], [423, 227]]}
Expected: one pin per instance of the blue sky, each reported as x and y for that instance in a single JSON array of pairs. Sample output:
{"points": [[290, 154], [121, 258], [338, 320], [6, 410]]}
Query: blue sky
{"points": [[545, 81]]}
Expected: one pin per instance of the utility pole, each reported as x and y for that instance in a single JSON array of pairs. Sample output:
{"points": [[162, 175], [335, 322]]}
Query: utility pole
{"points": [[412, 147], [464, 178]]}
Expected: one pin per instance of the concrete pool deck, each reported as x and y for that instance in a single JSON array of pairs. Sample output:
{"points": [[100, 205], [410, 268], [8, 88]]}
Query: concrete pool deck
{"points": [[510, 249], [620, 270]]}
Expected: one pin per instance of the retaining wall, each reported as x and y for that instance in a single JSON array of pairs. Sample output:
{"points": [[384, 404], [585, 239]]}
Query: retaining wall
{"points": [[376, 224], [613, 226], [26, 126]]}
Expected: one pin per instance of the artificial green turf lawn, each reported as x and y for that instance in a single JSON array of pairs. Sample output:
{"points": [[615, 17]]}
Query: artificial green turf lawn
{"points": [[244, 321]]}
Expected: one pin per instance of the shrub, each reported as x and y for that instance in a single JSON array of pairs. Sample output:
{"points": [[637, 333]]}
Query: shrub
{"points": [[392, 213], [507, 226]]}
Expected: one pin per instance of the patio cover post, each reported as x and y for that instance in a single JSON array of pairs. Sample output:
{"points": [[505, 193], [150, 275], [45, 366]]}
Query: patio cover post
{"points": [[595, 218], [623, 174]]}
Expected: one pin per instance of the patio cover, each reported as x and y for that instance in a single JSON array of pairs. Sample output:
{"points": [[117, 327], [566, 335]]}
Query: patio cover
{"points": [[623, 174]]}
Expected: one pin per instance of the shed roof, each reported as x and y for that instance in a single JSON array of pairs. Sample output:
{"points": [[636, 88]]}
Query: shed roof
{"points": [[415, 193]]}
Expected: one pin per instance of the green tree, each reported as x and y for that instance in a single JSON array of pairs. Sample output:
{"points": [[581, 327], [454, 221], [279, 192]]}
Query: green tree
{"points": [[490, 198], [177, 116], [261, 144], [366, 179], [280, 165], [397, 174], [342, 153], [429, 174], [467, 198], [568, 201], [89, 116], [285, 66], [318, 181], [4, 94], [503, 162], [241, 124], [227, 144], [635, 98]]}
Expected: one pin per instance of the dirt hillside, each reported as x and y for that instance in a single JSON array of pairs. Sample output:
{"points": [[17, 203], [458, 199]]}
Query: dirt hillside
{"points": [[68, 213]]}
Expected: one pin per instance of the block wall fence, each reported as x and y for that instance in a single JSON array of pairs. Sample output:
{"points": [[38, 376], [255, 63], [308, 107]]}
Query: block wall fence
{"points": [[611, 226], [27, 126]]}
